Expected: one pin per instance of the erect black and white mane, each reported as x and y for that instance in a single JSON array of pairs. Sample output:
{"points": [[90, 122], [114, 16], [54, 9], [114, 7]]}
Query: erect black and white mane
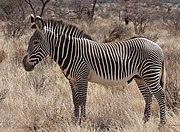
{"points": [[61, 27]]}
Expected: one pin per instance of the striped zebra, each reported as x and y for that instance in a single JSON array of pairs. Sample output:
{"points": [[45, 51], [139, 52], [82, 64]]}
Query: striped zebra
{"points": [[81, 59]]}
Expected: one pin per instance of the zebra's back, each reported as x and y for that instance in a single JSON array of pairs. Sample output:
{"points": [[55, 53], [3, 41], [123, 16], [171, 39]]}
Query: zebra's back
{"points": [[114, 63]]}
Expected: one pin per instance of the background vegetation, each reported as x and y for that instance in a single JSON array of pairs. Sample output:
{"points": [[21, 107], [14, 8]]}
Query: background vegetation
{"points": [[40, 101]]}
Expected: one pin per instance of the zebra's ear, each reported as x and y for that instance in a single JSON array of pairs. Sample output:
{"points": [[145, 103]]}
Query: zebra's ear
{"points": [[39, 23], [33, 26], [32, 18]]}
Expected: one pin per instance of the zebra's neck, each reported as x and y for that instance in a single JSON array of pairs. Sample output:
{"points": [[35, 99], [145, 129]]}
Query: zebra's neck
{"points": [[63, 38], [63, 50], [58, 44]]}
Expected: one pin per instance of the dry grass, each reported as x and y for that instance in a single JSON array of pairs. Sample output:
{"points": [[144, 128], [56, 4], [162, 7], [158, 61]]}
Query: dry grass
{"points": [[173, 78], [40, 101]]}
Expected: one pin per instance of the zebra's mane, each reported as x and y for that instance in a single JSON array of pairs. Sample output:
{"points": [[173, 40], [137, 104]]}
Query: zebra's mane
{"points": [[58, 24]]}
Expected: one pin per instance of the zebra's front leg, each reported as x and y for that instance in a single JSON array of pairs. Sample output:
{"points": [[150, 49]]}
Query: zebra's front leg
{"points": [[147, 97], [76, 101], [79, 93], [82, 86]]}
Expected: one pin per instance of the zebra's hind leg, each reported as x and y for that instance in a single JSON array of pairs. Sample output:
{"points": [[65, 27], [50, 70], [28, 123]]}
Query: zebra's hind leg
{"points": [[157, 91], [160, 96], [147, 97]]}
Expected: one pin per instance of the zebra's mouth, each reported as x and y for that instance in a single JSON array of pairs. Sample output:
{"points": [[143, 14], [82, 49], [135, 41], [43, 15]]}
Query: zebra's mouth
{"points": [[26, 65]]}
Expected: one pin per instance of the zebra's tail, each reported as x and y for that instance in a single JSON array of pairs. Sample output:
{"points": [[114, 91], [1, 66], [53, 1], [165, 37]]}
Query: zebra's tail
{"points": [[163, 76]]}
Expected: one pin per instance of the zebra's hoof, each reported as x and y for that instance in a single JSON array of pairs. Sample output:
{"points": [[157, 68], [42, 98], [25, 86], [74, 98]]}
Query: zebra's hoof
{"points": [[145, 119], [161, 127]]}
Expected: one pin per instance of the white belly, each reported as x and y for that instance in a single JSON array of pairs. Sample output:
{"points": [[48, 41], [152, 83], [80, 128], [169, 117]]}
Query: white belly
{"points": [[93, 77]]}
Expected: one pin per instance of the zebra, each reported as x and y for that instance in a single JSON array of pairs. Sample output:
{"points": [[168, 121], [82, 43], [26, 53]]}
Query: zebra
{"points": [[84, 60]]}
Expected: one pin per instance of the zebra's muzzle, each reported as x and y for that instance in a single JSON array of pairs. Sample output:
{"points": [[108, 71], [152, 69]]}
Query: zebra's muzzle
{"points": [[26, 65]]}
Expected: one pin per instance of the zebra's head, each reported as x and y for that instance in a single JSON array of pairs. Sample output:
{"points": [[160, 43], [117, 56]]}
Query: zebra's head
{"points": [[38, 47]]}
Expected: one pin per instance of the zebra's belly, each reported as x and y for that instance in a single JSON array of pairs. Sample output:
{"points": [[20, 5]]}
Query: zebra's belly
{"points": [[93, 77]]}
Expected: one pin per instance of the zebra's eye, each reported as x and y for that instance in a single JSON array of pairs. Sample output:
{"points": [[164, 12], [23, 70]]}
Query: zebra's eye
{"points": [[35, 42]]}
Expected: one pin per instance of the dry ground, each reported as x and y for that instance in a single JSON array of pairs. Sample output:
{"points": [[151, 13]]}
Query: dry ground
{"points": [[40, 101]]}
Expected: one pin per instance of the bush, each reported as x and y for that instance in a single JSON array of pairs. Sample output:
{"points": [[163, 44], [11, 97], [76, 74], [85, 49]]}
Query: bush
{"points": [[119, 32], [171, 22], [14, 15], [2, 55]]}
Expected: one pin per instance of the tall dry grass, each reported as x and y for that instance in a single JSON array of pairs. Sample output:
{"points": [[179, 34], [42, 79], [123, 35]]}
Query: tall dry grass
{"points": [[40, 101], [172, 59]]}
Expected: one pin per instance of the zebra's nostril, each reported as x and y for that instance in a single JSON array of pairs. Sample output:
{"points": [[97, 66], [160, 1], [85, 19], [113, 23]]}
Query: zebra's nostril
{"points": [[24, 61], [26, 65]]}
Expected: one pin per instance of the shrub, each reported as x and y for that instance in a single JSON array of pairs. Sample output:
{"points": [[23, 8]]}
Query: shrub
{"points": [[2, 55], [119, 32], [14, 16]]}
